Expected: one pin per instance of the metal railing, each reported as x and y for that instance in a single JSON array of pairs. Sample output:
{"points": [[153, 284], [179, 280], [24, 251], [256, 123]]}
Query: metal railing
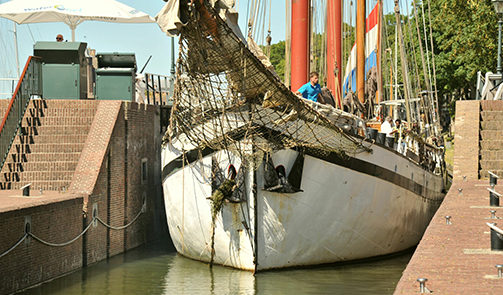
{"points": [[159, 89], [28, 86]]}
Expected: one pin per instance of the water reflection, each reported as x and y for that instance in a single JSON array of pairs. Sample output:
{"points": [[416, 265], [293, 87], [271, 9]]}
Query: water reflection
{"points": [[159, 270]]}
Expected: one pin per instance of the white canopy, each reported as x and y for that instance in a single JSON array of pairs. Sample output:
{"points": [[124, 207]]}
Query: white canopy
{"points": [[71, 12], [169, 21]]}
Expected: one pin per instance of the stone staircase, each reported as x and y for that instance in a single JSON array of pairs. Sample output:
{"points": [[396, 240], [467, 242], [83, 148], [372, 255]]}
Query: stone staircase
{"points": [[47, 148], [491, 138]]}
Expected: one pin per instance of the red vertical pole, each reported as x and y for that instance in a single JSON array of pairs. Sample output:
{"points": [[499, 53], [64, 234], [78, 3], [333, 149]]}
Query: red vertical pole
{"points": [[300, 44], [334, 48], [360, 50]]}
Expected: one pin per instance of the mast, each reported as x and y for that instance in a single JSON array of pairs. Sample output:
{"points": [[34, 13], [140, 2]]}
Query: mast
{"points": [[287, 44], [360, 50], [379, 53], [299, 69], [334, 48], [395, 114], [406, 85]]}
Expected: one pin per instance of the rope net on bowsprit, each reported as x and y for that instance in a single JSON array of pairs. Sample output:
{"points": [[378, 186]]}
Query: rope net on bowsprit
{"points": [[226, 97]]}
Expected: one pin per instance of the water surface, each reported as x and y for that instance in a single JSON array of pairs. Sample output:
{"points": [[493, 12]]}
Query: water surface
{"points": [[157, 269]]}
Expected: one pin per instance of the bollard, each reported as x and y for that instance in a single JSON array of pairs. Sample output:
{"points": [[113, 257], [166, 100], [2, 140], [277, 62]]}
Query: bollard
{"points": [[422, 283], [41, 191], [460, 191], [496, 239], [448, 220], [500, 270], [493, 179], [494, 198], [464, 178], [26, 190], [493, 214]]}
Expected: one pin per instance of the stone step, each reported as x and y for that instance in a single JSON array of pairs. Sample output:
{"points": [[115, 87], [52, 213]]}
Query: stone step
{"points": [[491, 125], [69, 112], [485, 174], [491, 155], [70, 103], [491, 105], [37, 176], [491, 115], [37, 185], [51, 138], [39, 166], [68, 129], [47, 157], [491, 145], [53, 147], [57, 121], [491, 134], [491, 165]]}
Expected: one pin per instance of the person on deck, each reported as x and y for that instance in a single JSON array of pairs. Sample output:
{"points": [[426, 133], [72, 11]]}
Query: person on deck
{"points": [[387, 128], [59, 38], [398, 129], [311, 90]]}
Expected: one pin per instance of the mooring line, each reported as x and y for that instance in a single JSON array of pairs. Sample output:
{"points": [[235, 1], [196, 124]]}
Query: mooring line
{"points": [[65, 243], [120, 227], [13, 247], [30, 234]]}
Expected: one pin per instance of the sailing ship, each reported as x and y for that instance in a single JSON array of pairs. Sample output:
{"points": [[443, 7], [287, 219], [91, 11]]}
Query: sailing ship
{"points": [[257, 178]]}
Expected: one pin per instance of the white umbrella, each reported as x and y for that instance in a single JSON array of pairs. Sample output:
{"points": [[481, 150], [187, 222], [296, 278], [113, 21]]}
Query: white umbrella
{"points": [[71, 12]]}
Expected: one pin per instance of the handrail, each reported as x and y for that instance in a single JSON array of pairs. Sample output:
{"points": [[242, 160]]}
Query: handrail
{"points": [[29, 84]]}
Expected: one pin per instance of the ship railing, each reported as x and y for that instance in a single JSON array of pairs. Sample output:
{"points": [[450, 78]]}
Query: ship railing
{"points": [[489, 87], [158, 89], [29, 86]]}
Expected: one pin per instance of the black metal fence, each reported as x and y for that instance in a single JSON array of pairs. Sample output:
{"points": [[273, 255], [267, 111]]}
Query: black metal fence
{"points": [[29, 86], [159, 89]]}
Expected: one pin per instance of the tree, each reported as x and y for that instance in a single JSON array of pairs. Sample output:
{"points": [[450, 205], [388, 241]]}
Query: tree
{"points": [[278, 58], [464, 34]]}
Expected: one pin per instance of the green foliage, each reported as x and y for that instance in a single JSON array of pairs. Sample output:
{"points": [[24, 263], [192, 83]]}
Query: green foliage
{"points": [[464, 36], [278, 58], [465, 40]]}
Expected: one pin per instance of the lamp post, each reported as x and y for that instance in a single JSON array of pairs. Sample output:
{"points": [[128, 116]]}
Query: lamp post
{"points": [[498, 6]]}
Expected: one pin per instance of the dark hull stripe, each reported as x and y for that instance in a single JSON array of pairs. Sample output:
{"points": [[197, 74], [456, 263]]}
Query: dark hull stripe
{"points": [[334, 158]]}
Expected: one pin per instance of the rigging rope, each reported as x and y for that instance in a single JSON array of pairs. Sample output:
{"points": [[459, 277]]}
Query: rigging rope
{"points": [[436, 109]]}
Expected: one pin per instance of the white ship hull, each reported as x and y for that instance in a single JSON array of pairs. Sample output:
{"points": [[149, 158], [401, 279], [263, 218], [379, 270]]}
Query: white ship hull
{"points": [[368, 205]]}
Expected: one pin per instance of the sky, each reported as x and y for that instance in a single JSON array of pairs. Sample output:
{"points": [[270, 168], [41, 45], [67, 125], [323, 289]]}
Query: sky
{"points": [[142, 39]]}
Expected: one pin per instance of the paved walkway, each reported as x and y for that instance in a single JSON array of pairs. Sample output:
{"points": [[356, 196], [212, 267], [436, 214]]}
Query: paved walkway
{"points": [[12, 200], [456, 258]]}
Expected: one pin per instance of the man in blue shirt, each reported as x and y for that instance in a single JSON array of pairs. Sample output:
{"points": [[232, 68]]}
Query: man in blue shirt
{"points": [[311, 90]]}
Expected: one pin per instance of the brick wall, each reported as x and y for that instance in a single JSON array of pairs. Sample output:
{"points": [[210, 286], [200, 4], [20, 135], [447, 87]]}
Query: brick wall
{"points": [[4, 103], [466, 140], [491, 138], [144, 145], [56, 221], [108, 176]]}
